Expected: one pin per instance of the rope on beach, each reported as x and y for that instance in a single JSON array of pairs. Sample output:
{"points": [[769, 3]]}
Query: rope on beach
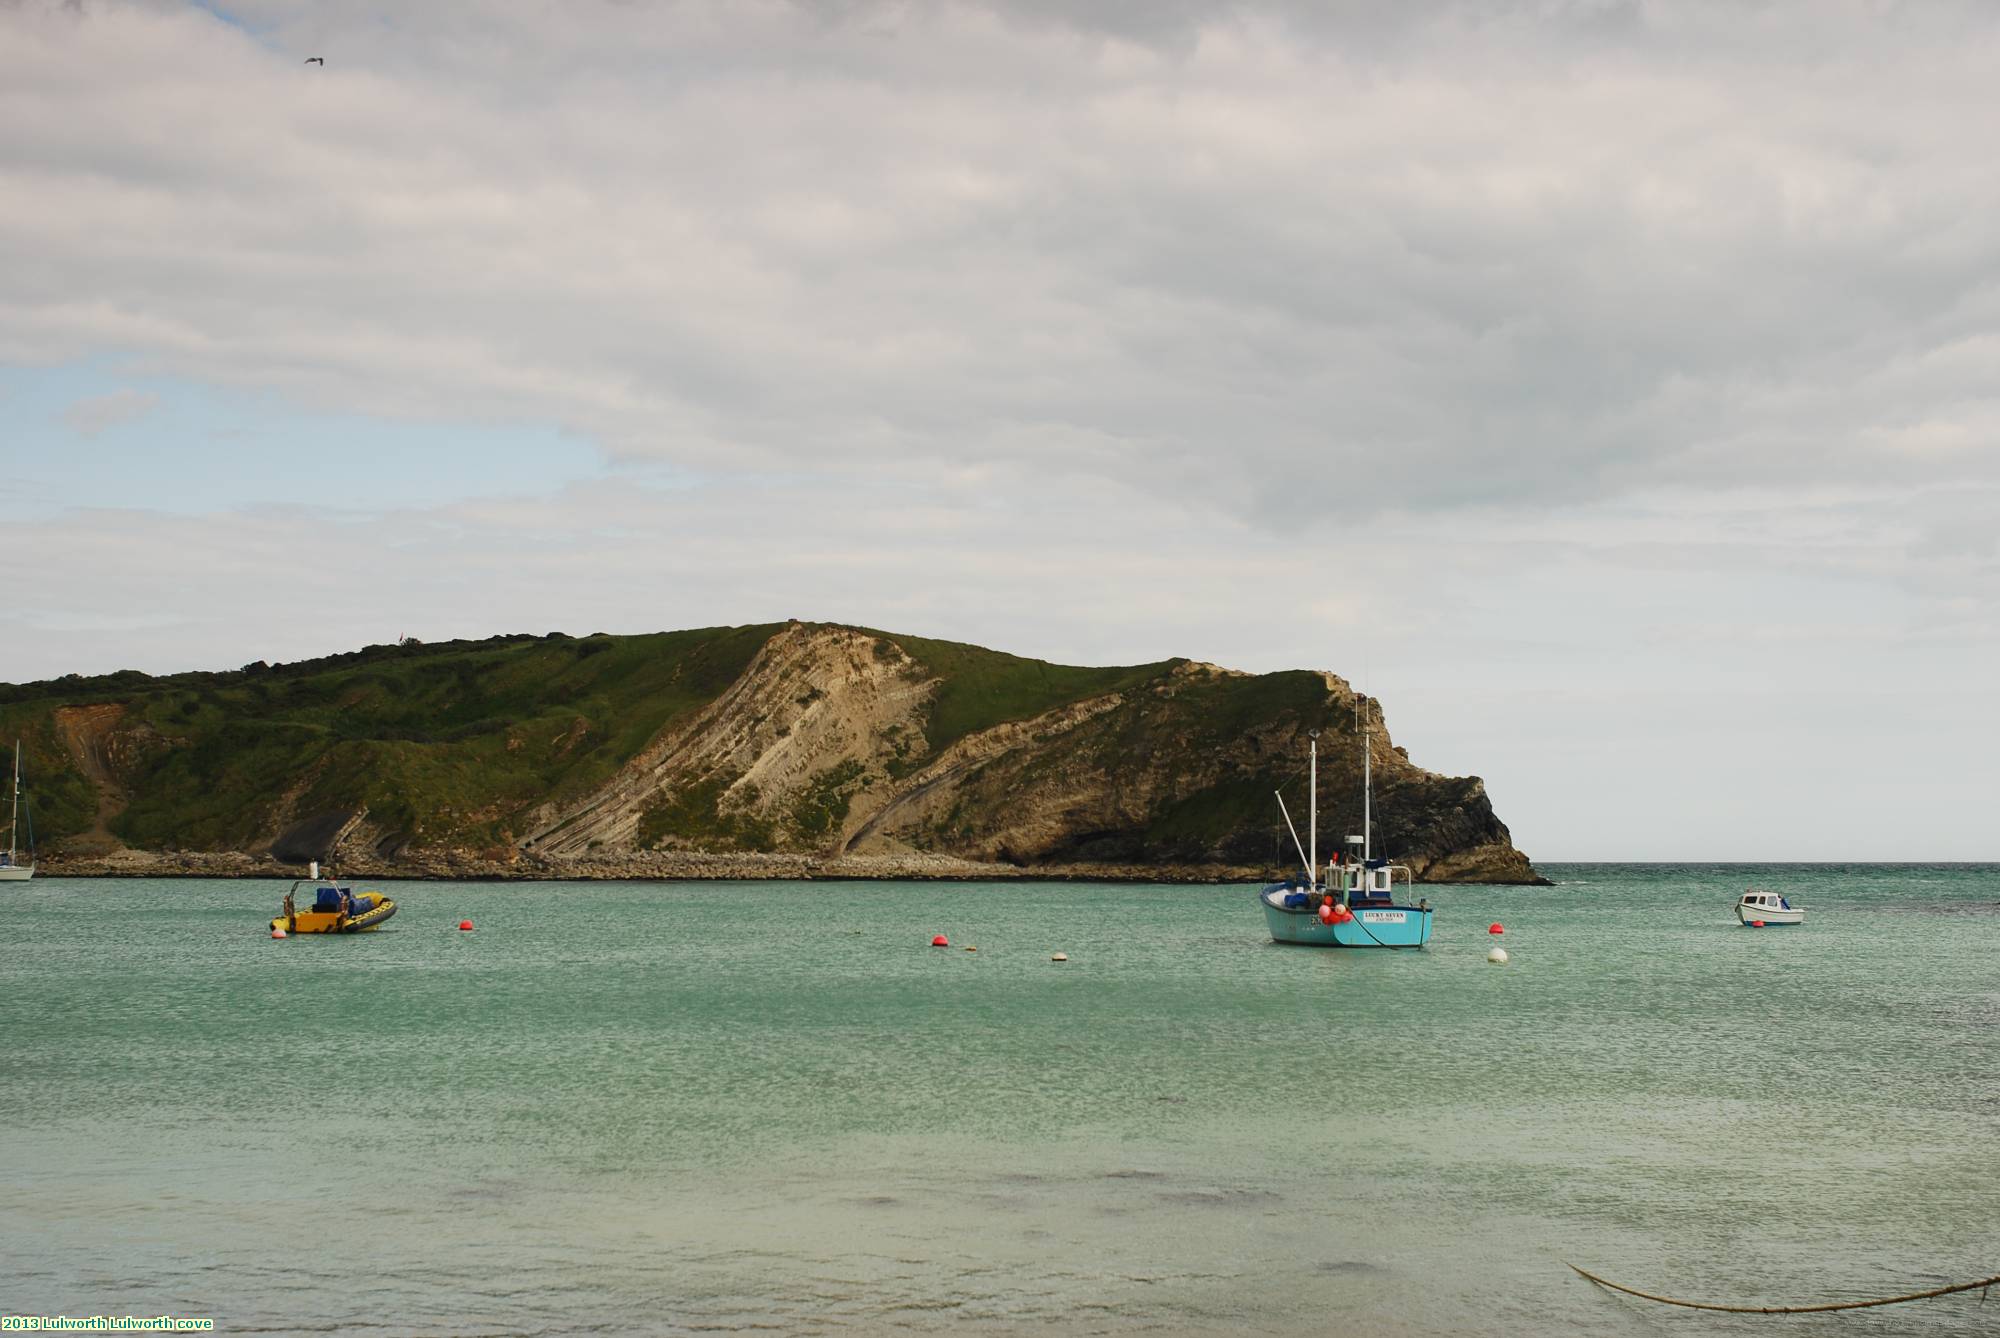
{"points": [[1980, 1285]]}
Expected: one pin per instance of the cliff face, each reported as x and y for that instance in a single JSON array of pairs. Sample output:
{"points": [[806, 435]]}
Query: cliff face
{"points": [[852, 750]]}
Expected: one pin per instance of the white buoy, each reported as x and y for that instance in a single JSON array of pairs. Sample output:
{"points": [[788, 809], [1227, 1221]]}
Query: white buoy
{"points": [[1059, 957], [1498, 957]]}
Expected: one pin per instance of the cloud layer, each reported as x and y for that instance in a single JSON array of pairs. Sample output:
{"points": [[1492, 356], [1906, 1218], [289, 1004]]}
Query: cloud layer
{"points": [[1092, 336], [1537, 252]]}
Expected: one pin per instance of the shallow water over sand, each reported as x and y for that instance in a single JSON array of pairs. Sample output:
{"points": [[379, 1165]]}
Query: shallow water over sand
{"points": [[702, 1107]]}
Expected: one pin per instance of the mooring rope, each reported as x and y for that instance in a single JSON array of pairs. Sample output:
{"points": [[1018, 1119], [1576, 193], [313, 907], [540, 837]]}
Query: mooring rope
{"points": [[1792, 1309]]}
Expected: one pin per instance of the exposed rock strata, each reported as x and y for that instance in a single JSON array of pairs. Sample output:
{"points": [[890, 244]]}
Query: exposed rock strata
{"points": [[102, 745], [812, 701]]}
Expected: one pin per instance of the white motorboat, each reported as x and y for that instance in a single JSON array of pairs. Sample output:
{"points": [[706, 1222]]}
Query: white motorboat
{"points": [[1768, 908]]}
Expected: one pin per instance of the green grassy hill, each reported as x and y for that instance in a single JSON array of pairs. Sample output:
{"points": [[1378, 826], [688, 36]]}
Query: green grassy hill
{"points": [[442, 741], [793, 737]]}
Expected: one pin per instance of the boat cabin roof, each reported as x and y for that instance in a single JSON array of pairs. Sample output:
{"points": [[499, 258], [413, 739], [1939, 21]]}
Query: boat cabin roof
{"points": [[1755, 898]]}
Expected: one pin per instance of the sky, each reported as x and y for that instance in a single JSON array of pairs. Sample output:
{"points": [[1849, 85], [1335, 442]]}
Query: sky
{"points": [[1612, 389]]}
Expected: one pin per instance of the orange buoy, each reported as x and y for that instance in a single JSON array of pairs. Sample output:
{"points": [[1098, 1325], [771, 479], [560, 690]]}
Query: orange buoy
{"points": [[940, 941], [277, 931], [1325, 914], [1495, 929], [1756, 924], [464, 924]]}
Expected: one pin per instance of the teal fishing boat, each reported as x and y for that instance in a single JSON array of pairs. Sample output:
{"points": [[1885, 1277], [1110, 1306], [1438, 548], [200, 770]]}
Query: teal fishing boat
{"points": [[1354, 905]]}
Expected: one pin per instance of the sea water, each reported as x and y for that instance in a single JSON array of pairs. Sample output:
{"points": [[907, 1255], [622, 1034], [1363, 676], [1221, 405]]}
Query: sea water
{"points": [[704, 1107]]}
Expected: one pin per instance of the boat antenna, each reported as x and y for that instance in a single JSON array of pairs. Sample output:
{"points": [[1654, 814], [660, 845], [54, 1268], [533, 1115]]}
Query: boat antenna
{"points": [[1312, 825]]}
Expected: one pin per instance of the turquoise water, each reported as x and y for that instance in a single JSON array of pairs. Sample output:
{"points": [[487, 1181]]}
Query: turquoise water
{"points": [[708, 1107]]}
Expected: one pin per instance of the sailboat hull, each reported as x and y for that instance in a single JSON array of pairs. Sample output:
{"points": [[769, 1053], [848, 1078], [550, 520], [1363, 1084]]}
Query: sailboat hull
{"points": [[16, 873], [1372, 927]]}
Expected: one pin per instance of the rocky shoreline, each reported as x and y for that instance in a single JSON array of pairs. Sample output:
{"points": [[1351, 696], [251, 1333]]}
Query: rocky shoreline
{"points": [[661, 866]]}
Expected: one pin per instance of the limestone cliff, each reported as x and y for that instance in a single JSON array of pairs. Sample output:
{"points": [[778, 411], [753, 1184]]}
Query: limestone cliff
{"points": [[835, 750]]}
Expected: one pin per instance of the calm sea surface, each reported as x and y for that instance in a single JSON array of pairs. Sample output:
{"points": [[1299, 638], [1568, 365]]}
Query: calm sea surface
{"points": [[709, 1107]]}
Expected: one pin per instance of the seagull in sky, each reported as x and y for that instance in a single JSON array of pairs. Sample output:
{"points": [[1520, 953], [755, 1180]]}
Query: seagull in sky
{"points": [[316, 60]]}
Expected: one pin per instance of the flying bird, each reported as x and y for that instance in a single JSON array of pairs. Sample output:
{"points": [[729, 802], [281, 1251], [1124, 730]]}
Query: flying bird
{"points": [[316, 60]]}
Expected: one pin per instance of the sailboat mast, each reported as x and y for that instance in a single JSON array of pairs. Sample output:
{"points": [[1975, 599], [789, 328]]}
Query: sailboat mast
{"points": [[14, 818], [1312, 823]]}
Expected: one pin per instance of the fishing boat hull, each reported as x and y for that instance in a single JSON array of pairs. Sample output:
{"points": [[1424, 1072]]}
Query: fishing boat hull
{"points": [[1371, 927]]}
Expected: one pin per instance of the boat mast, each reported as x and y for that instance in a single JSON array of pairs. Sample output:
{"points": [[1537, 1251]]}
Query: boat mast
{"points": [[1312, 824], [1367, 797], [14, 818]]}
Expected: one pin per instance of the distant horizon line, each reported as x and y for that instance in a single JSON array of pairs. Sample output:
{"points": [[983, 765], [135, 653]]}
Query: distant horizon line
{"points": [[1761, 863]]}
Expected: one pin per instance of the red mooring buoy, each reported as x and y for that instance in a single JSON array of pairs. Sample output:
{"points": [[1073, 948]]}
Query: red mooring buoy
{"points": [[1495, 929], [940, 942], [1756, 924], [465, 924]]}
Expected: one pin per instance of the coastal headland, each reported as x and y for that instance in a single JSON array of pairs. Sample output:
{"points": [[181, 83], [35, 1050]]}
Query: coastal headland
{"points": [[793, 750]]}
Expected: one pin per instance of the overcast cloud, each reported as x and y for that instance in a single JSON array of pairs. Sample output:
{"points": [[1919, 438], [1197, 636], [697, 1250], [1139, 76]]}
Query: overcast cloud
{"points": [[1612, 387]]}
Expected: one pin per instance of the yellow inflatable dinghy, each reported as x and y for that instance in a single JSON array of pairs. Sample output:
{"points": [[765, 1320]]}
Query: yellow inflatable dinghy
{"points": [[336, 909]]}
